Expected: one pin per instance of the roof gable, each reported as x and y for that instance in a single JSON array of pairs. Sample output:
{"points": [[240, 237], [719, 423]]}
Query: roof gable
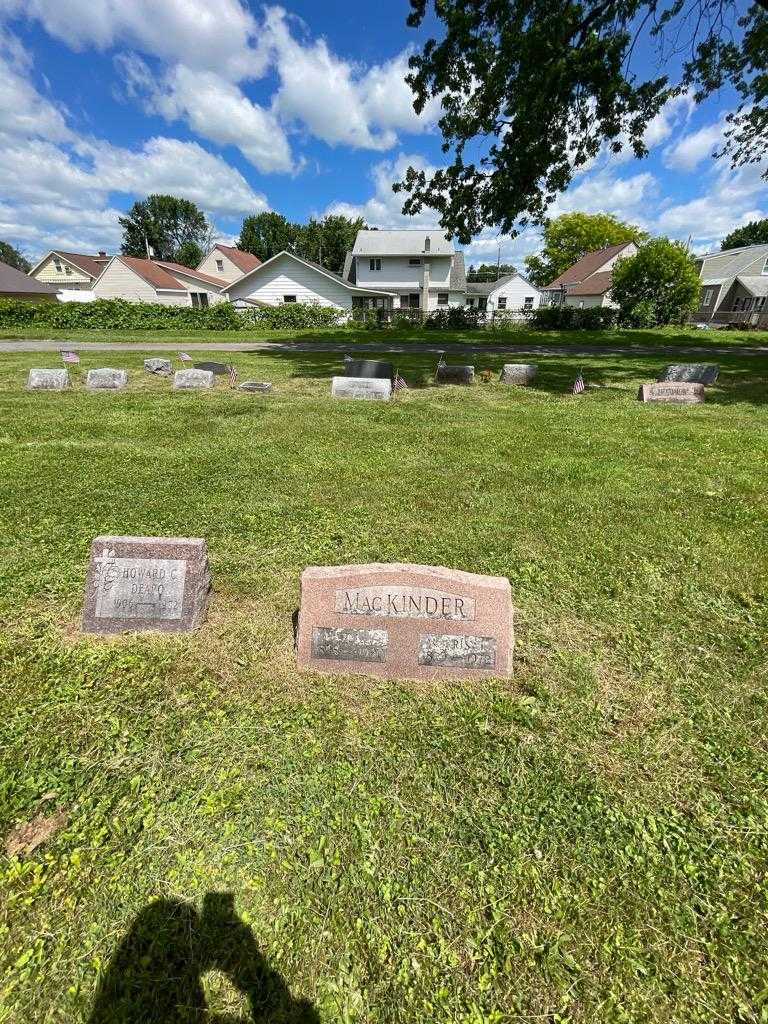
{"points": [[178, 268], [154, 274], [90, 265], [409, 242], [243, 260], [307, 263], [588, 265], [595, 284]]}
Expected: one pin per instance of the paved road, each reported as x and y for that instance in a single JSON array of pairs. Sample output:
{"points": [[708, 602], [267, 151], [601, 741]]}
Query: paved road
{"points": [[381, 347]]}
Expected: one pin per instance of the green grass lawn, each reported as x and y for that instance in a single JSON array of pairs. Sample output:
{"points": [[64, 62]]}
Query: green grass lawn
{"points": [[517, 335], [584, 842]]}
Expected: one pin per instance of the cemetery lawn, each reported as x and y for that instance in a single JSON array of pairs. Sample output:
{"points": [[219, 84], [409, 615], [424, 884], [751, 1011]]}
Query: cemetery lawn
{"points": [[585, 842]]}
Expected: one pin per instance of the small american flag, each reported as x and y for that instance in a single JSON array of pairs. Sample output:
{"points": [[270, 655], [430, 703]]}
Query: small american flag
{"points": [[440, 362], [185, 357], [398, 383], [232, 375], [68, 356], [578, 385]]}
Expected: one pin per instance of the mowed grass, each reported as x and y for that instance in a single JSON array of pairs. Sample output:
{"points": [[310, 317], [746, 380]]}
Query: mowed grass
{"points": [[586, 841]]}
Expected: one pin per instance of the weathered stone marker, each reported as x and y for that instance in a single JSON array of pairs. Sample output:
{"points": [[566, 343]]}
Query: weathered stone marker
{"points": [[374, 389], [405, 622], [189, 380], [368, 368], [519, 373], [690, 373], [255, 385], [688, 394], [453, 373], [106, 378], [220, 369], [47, 380], [139, 583], [159, 366]]}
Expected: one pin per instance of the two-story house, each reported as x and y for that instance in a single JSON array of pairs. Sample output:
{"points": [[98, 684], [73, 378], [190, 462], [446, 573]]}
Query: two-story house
{"points": [[413, 269], [588, 282], [734, 286], [69, 271]]}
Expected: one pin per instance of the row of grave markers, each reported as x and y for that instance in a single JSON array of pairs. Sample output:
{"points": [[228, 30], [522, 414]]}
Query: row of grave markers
{"points": [[375, 380], [396, 621]]}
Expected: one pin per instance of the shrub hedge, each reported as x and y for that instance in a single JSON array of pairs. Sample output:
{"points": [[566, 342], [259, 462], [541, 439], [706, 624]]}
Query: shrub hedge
{"points": [[570, 318]]}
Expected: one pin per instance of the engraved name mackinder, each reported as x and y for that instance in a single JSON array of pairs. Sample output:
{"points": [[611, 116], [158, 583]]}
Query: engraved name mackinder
{"points": [[456, 651], [350, 644], [404, 603]]}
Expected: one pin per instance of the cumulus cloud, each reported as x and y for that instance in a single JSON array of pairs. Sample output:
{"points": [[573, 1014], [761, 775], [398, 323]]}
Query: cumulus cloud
{"points": [[384, 208], [687, 153]]}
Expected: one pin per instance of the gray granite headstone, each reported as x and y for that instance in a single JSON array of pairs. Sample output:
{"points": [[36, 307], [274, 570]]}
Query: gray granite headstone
{"points": [[190, 380], [106, 378], [669, 391], [159, 366], [368, 368], [453, 373], [220, 369], [519, 373], [140, 583], [690, 373], [370, 388], [255, 385], [47, 380]]}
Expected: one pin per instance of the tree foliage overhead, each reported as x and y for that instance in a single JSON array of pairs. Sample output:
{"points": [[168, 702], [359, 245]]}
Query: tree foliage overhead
{"points": [[168, 224], [572, 235], [324, 241], [754, 233], [10, 255], [661, 277], [550, 83]]}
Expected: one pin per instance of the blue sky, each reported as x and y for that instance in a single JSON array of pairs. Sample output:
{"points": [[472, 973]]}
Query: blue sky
{"points": [[299, 108]]}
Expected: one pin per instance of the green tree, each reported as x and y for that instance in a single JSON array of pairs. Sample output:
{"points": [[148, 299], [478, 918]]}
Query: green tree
{"points": [[266, 234], [572, 235], [536, 88], [754, 233], [661, 276], [189, 254], [166, 223], [327, 241], [489, 271], [12, 256]]}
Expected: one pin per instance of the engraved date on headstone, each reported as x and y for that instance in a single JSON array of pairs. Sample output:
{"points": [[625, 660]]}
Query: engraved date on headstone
{"points": [[138, 588], [368, 645], [457, 651]]}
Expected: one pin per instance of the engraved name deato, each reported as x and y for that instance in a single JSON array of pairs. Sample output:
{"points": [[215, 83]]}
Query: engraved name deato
{"points": [[404, 603]]}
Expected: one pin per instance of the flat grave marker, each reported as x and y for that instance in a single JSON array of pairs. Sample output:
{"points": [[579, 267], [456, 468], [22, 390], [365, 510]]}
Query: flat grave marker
{"points": [[48, 380], [454, 373], [255, 385], [402, 621], [689, 373], [685, 394], [192, 380], [519, 373], [140, 583], [160, 367], [106, 379], [219, 369], [373, 389]]}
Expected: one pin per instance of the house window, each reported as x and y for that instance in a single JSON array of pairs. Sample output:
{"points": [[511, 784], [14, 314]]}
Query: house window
{"points": [[375, 264], [708, 293], [68, 269], [220, 266], [414, 297], [58, 266], [528, 302], [289, 298], [502, 302], [404, 301], [759, 303], [442, 298], [414, 263], [736, 305], [427, 244], [199, 299], [747, 304], [470, 302]]}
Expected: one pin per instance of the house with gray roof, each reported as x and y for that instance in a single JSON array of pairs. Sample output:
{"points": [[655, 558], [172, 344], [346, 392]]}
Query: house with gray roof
{"points": [[511, 293], [734, 286]]}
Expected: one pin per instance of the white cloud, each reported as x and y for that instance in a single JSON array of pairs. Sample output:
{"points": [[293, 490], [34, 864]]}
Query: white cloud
{"points": [[384, 208], [687, 153], [23, 111]]}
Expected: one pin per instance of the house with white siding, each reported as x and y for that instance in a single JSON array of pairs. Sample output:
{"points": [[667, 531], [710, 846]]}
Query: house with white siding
{"points": [[734, 286], [588, 282], [286, 278], [171, 284], [69, 271], [228, 262], [409, 269], [509, 294]]}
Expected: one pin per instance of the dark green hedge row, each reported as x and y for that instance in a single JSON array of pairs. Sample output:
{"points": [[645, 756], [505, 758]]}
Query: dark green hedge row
{"points": [[570, 318], [117, 314]]}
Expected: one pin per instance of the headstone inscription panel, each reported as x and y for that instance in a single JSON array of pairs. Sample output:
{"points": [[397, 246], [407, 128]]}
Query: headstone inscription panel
{"points": [[161, 367], [140, 583], [519, 373], [368, 368], [687, 394], [690, 373], [106, 379], [373, 389], [220, 369], [256, 386], [405, 622], [190, 380], [453, 373], [47, 380]]}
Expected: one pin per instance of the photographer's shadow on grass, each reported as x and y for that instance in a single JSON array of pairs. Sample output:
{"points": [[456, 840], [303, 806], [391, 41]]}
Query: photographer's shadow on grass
{"points": [[156, 974]]}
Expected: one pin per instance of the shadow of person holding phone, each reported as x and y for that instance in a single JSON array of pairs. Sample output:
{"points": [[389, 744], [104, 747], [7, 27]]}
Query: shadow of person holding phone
{"points": [[155, 975]]}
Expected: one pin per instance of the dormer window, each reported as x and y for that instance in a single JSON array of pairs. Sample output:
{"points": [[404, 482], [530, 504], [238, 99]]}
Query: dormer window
{"points": [[427, 243], [58, 266]]}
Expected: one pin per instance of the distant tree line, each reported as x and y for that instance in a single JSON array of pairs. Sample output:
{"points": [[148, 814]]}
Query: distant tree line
{"points": [[325, 241]]}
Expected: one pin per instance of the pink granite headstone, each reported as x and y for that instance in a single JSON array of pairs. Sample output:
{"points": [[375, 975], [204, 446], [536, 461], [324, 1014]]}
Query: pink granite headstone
{"points": [[685, 393], [403, 621]]}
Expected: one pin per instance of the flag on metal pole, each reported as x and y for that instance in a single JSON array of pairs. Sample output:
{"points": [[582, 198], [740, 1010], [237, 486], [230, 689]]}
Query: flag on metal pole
{"points": [[440, 362], [185, 357], [68, 356], [232, 375], [398, 383], [578, 384]]}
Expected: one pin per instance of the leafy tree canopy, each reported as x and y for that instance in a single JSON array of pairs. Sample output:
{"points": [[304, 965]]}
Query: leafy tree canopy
{"points": [[167, 224], [324, 241], [661, 276], [754, 233], [572, 235], [489, 271], [189, 254], [12, 256], [537, 88]]}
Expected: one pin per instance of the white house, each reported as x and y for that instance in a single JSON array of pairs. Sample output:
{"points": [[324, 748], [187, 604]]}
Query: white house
{"points": [[137, 280], [734, 285], [70, 271], [588, 281], [410, 269], [228, 262], [510, 293], [286, 278]]}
